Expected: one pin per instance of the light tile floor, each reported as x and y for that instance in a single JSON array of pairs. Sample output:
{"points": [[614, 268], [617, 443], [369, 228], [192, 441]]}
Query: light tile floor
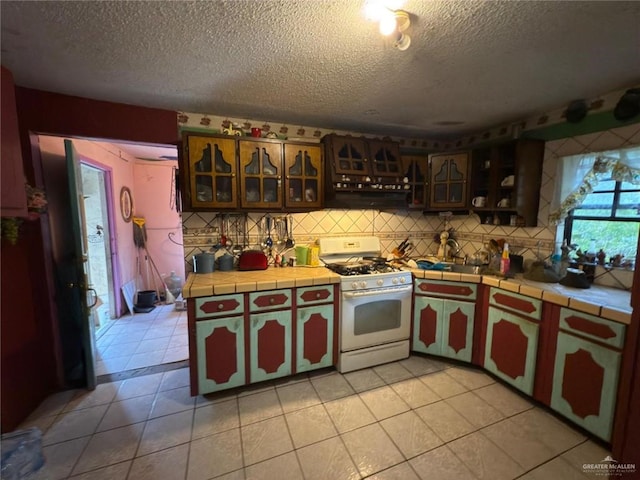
{"points": [[142, 340], [414, 419]]}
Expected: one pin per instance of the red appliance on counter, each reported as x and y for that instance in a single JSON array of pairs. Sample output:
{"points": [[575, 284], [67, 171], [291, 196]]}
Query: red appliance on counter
{"points": [[253, 260]]}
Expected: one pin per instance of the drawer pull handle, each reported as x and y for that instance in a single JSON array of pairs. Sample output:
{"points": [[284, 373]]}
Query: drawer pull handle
{"points": [[220, 306], [272, 300], [318, 295]]}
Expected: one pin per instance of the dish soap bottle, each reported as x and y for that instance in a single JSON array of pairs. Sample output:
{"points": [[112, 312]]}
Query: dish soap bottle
{"points": [[505, 261]]}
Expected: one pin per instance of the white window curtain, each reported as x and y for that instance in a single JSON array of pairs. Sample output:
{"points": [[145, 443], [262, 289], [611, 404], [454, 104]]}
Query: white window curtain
{"points": [[578, 175]]}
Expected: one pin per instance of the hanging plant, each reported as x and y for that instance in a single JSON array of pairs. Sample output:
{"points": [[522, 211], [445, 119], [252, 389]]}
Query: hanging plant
{"points": [[10, 228]]}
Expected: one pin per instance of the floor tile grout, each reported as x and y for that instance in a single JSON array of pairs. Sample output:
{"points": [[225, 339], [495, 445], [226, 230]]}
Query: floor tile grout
{"points": [[278, 387]]}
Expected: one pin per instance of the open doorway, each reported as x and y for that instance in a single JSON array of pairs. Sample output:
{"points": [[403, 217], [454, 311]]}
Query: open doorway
{"points": [[125, 342], [96, 185]]}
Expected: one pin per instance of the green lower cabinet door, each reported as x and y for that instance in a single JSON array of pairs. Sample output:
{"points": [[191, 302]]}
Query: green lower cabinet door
{"points": [[585, 383], [427, 325], [314, 342], [270, 342], [220, 346], [457, 330], [511, 348]]}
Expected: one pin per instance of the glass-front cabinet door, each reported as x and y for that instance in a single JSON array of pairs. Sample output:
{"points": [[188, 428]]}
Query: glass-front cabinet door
{"points": [[385, 159], [211, 172], [349, 156], [303, 176], [414, 174], [260, 174], [449, 176]]}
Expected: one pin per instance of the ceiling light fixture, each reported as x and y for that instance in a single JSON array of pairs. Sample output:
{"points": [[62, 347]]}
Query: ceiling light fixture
{"points": [[391, 22]]}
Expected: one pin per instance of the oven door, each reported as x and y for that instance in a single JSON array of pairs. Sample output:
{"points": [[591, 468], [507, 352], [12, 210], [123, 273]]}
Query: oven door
{"points": [[373, 317]]}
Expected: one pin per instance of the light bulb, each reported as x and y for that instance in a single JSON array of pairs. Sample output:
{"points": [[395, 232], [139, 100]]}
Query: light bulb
{"points": [[374, 11], [388, 24]]}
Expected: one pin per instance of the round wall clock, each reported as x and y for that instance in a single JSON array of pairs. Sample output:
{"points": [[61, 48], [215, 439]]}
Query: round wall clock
{"points": [[126, 204]]}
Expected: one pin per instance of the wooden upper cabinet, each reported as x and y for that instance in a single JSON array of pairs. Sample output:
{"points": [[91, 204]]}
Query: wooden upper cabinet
{"points": [[211, 172], [14, 198], [448, 179], [260, 174], [303, 176], [349, 157], [220, 172], [385, 159]]}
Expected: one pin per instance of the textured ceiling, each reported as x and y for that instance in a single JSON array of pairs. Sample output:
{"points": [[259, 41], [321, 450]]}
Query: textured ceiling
{"points": [[320, 63]]}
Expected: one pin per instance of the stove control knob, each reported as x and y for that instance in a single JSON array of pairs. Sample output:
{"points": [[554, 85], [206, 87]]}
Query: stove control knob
{"points": [[394, 281], [403, 280], [354, 285], [380, 282], [363, 284]]}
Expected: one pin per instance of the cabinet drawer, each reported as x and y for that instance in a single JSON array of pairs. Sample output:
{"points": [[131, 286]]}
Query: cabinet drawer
{"points": [[436, 288], [219, 305], [269, 300], [593, 327], [527, 306], [313, 295]]}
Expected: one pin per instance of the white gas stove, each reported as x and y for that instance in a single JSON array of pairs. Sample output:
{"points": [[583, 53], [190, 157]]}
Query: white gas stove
{"points": [[375, 302]]}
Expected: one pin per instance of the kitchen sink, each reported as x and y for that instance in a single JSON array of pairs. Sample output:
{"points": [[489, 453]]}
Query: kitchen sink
{"points": [[477, 269]]}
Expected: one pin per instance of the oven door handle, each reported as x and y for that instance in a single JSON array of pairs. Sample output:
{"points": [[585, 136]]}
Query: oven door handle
{"points": [[378, 291]]}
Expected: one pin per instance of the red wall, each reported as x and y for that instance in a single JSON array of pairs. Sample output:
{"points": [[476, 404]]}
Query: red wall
{"points": [[30, 355]]}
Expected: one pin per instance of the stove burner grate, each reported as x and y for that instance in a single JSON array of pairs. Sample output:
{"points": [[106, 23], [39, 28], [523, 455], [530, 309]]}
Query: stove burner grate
{"points": [[361, 267]]}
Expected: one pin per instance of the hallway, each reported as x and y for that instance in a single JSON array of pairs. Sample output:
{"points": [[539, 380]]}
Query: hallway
{"points": [[142, 340]]}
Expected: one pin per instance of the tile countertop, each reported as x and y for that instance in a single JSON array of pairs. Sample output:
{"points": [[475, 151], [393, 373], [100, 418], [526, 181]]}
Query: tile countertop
{"points": [[606, 302], [235, 281]]}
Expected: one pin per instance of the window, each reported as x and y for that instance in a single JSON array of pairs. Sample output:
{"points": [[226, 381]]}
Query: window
{"points": [[598, 197], [607, 219]]}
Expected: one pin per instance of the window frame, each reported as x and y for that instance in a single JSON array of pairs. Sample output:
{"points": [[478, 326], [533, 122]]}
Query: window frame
{"points": [[615, 205]]}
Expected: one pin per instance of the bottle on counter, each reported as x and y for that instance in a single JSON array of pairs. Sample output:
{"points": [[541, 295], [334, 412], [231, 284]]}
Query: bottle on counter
{"points": [[556, 258], [505, 261]]}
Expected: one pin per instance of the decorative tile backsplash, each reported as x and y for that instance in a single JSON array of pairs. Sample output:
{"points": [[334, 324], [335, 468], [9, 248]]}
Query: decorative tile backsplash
{"points": [[202, 230]]}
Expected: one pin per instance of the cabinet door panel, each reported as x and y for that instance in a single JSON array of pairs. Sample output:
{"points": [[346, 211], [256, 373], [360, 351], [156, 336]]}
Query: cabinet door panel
{"points": [[303, 176], [385, 159], [212, 172], [448, 180], [414, 169], [260, 174], [349, 156], [270, 342], [220, 347], [457, 331], [511, 349], [427, 325], [585, 383], [314, 340]]}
